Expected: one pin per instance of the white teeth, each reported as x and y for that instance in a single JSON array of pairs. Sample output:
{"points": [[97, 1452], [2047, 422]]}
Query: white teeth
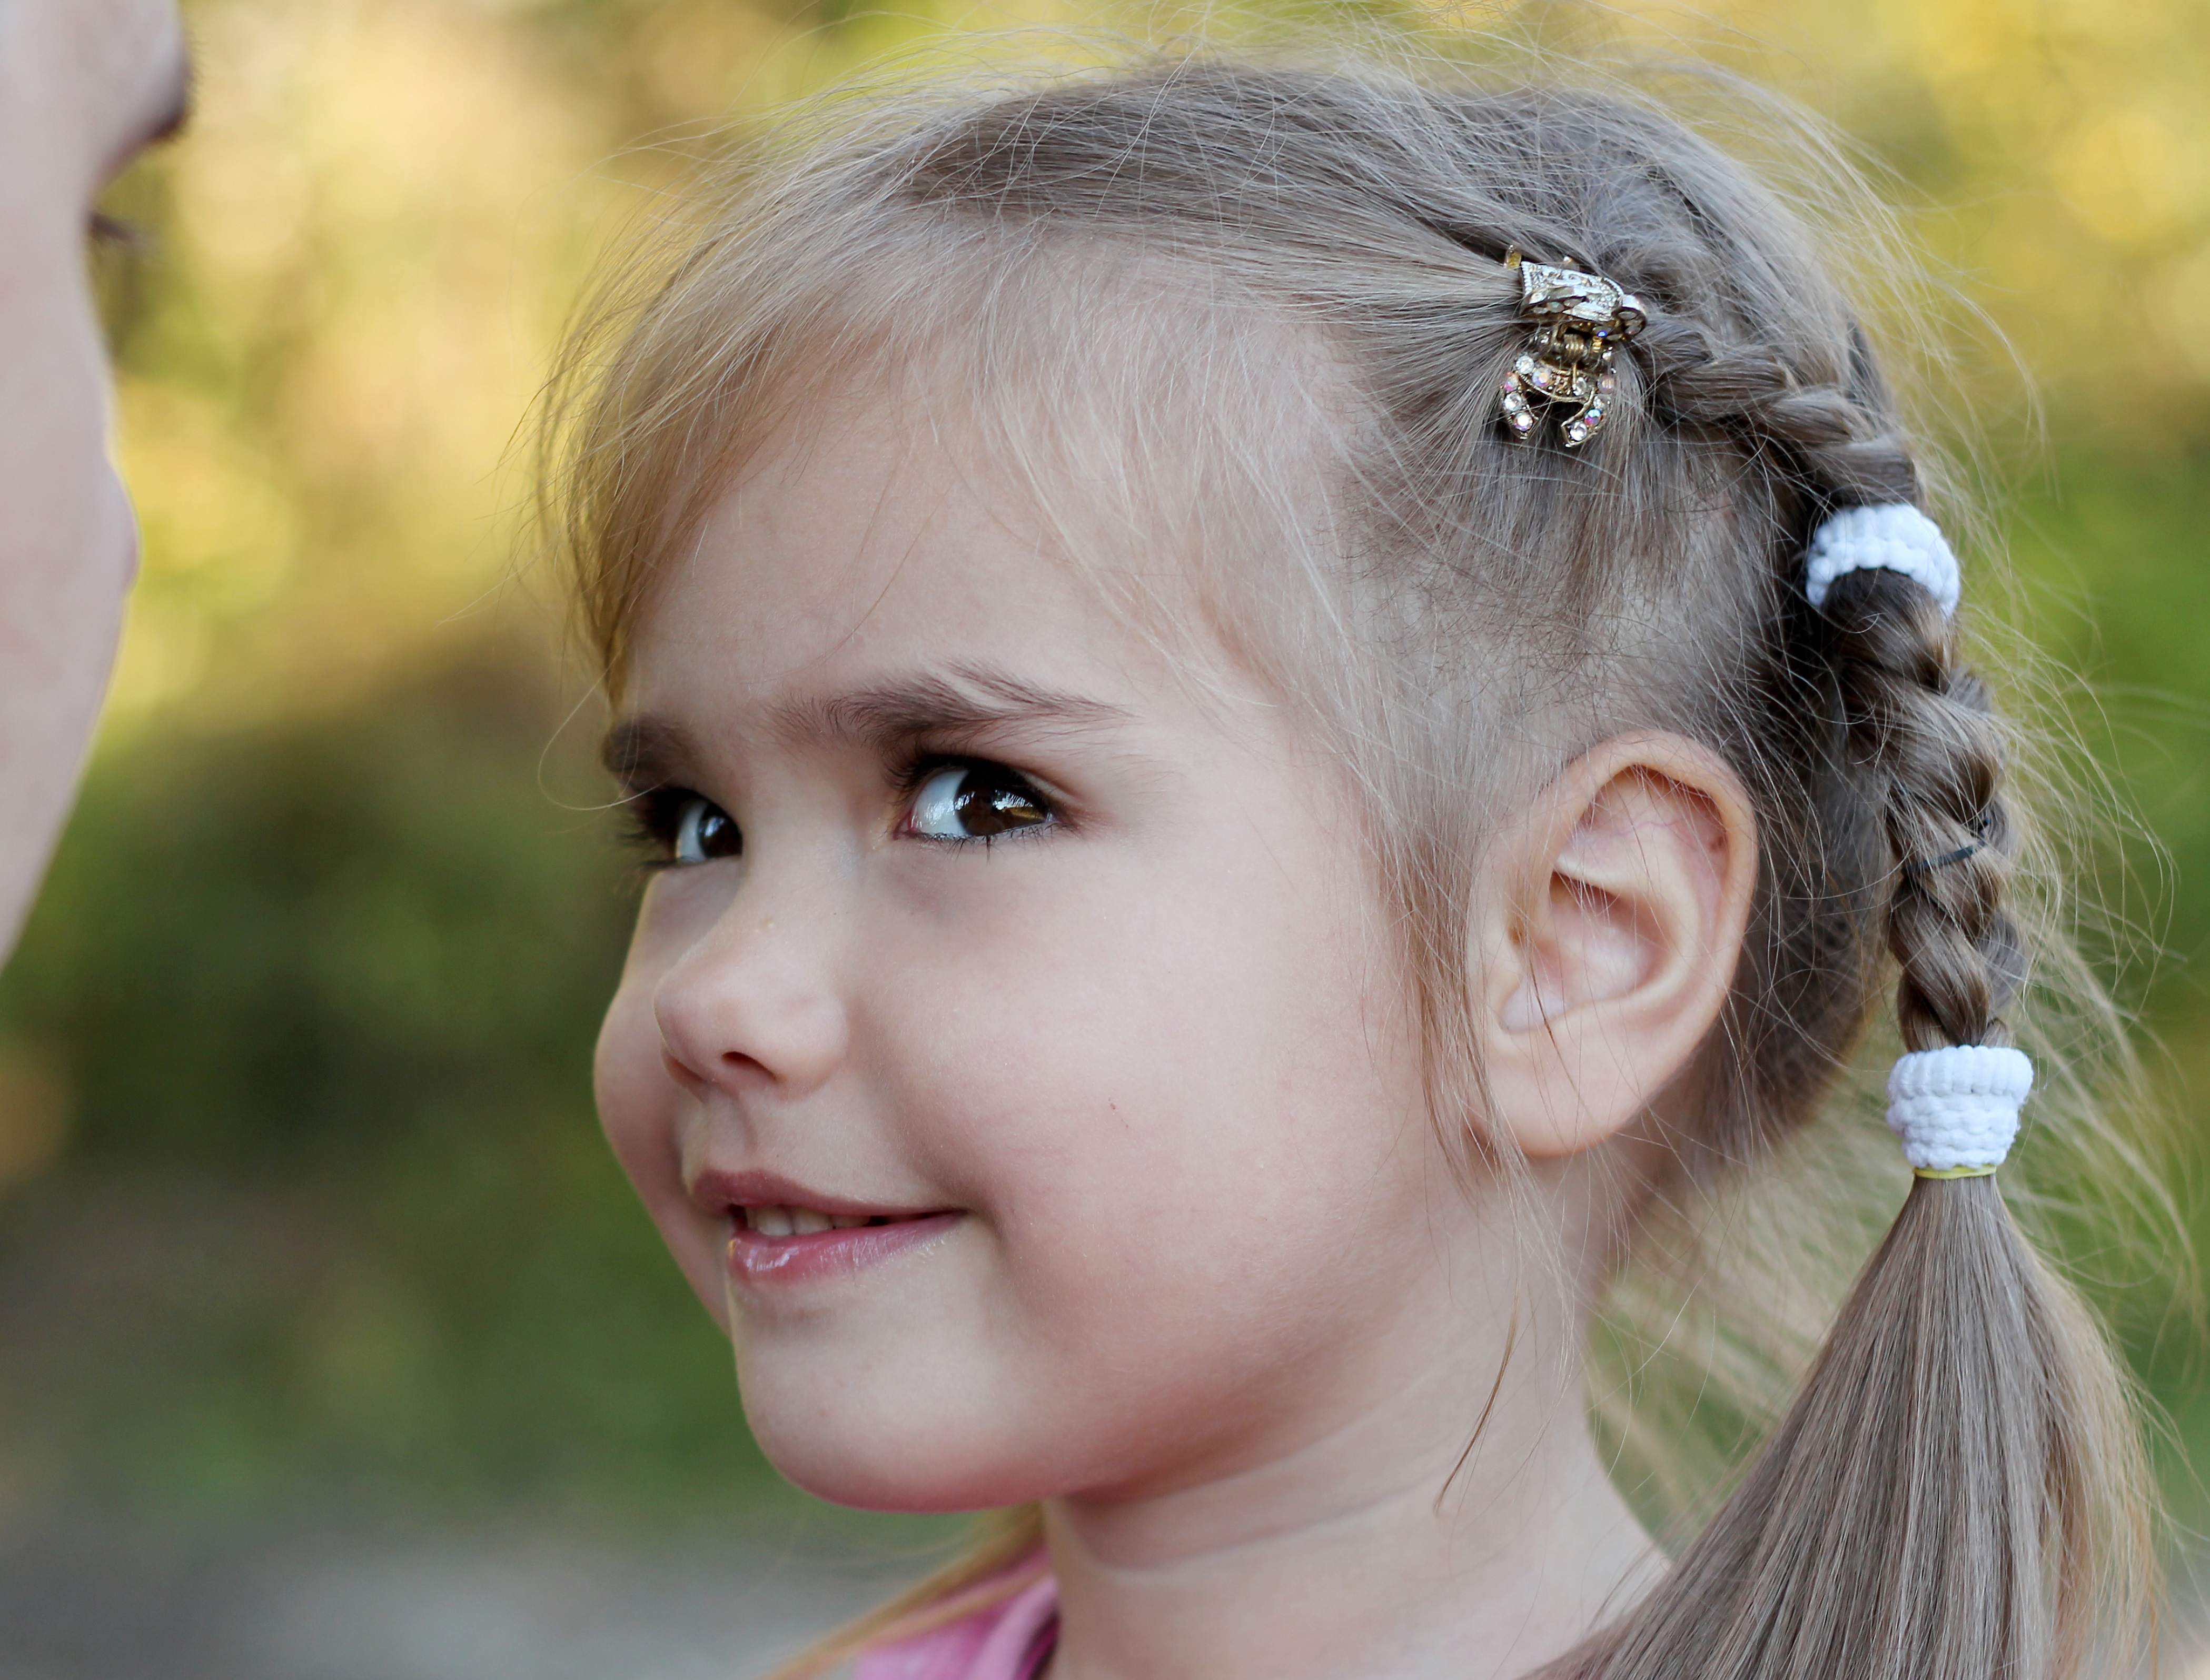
{"points": [[797, 1221]]}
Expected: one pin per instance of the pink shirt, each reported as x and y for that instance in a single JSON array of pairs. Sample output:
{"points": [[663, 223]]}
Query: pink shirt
{"points": [[1010, 1640]]}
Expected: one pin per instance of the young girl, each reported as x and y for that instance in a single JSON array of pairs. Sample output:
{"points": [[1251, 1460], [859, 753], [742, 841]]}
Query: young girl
{"points": [[1285, 713]]}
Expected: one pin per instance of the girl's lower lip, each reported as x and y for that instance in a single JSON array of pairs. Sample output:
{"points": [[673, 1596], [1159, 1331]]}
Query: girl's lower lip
{"points": [[767, 1262]]}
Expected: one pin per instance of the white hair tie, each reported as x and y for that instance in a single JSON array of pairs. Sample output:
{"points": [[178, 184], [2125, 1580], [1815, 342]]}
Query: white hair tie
{"points": [[1895, 538], [1956, 1109]]}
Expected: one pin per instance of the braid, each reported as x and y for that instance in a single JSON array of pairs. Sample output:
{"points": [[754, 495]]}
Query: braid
{"points": [[1918, 726], [1951, 1494], [1930, 739], [1837, 440], [1955, 1348]]}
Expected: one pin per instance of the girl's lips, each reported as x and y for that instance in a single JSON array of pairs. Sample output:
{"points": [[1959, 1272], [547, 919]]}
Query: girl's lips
{"points": [[766, 1261]]}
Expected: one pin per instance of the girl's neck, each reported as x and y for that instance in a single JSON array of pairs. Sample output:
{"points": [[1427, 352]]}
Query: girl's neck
{"points": [[1339, 1560]]}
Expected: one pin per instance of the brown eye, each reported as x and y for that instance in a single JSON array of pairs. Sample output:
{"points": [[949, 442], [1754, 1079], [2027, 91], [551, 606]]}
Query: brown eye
{"points": [[705, 832], [976, 802]]}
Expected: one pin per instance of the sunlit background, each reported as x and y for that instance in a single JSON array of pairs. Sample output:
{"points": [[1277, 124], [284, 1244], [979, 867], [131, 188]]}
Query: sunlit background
{"points": [[312, 1265]]}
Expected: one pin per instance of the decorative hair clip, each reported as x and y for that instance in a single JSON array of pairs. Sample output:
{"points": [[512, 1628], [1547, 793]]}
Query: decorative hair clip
{"points": [[1568, 366]]}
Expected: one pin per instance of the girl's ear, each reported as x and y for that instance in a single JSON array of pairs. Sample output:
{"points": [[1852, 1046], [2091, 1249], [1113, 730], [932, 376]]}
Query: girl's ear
{"points": [[1617, 907]]}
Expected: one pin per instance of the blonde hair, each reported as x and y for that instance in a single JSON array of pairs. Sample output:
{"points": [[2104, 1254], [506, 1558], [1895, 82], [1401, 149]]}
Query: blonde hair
{"points": [[1303, 260]]}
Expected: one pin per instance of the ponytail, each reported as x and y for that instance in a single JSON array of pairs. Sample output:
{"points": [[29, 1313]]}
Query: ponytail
{"points": [[1926, 1511], [1953, 1495], [1935, 1505]]}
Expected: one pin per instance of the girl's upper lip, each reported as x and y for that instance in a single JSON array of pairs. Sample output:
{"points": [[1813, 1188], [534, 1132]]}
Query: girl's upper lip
{"points": [[717, 1191]]}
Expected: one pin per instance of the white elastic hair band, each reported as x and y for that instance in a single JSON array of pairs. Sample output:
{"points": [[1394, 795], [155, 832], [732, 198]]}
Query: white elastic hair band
{"points": [[1895, 538], [1956, 1109]]}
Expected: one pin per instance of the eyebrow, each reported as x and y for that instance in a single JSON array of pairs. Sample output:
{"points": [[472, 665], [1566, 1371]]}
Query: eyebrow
{"points": [[177, 111], [895, 713], [646, 751]]}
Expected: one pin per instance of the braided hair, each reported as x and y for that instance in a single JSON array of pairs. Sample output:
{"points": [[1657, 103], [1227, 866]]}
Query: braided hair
{"points": [[1949, 1497]]}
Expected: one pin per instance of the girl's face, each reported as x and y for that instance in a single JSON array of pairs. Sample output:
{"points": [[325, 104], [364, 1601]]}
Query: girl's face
{"points": [[1010, 1049]]}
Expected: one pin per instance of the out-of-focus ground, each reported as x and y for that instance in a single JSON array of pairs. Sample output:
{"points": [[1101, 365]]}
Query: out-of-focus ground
{"points": [[332, 1342], [88, 1601]]}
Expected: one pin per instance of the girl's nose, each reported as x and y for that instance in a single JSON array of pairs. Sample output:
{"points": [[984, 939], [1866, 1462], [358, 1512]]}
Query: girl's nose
{"points": [[752, 1007]]}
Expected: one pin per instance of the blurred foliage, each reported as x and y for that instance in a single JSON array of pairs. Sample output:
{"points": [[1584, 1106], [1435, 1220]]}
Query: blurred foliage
{"points": [[321, 995], [2057, 156], [300, 1187]]}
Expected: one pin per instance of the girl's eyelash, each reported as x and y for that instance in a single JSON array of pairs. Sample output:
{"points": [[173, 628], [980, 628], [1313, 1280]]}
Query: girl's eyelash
{"points": [[908, 774], [652, 816], [911, 775], [648, 823]]}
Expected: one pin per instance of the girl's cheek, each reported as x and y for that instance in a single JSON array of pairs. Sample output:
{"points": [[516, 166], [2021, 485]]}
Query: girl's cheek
{"points": [[637, 1109]]}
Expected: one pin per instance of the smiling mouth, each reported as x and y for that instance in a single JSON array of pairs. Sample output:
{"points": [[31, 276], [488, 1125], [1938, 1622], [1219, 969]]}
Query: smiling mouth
{"points": [[809, 1222], [777, 1246]]}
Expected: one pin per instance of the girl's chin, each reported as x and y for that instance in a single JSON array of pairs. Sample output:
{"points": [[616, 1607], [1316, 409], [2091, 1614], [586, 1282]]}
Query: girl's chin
{"points": [[895, 1463], [839, 1482]]}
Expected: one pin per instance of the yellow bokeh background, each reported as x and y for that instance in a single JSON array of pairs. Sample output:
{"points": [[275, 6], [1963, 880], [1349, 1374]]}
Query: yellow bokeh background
{"points": [[386, 209], [327, 942]]}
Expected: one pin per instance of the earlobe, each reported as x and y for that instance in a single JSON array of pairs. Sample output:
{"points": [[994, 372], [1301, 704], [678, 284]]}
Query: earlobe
{"points": [[1616, 911]]}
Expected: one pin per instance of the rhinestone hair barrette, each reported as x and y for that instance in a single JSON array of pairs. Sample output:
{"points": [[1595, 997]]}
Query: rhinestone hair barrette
{"points": [[1565, 372]]}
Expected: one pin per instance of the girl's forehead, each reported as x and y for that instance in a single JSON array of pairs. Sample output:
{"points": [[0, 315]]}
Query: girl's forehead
{"points": [[1109, 501], [868, 547]]}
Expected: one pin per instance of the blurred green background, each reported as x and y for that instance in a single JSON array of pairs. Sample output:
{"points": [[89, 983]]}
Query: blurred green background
{"points": [[301, 1196]]}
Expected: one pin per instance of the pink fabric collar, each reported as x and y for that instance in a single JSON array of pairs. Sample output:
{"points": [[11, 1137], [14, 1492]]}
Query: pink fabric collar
{"points": [[1009, 1640]]}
